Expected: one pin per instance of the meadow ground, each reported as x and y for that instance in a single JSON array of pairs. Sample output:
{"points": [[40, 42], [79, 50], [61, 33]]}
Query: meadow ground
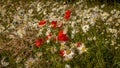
{"points": [[57, 34]]}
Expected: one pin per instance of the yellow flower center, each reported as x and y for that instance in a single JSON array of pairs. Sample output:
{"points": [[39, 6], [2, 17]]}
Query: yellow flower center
{"points": [[68, 51], [30, 63], [62, 46], [83, 49]]}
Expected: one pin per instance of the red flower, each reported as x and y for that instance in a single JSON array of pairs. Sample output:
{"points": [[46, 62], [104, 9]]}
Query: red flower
{"points": [[61, 53], [50, 34], [42, 22], [46, 37], [54, 23], [62, 37], [78, 44], [66, 16], [39, 41], [68, 12]]}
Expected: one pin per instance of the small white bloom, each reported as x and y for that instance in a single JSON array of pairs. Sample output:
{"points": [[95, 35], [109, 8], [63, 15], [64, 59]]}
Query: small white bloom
{"points": [[82, 49], [104, 15], [89, 38], [39, 32], [72, 36], [85, 28], [38, 7], [44, 12], [73, 31], [67, 66], [38, 54], [65, 30], [72, 24], [68, 54], [92, 21], [94, 38], [116, 48], [112, 30], [110, 19], [4, 63], [29, 62], [48, 41], [30, 11], [102, 6], [53, 49], [113, 42], [113, 11], [48, 32], [18, 59]]}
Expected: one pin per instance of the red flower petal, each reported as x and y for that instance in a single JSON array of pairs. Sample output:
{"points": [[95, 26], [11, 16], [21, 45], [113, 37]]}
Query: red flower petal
{"points": [[78, 44], [54, 23], [66, 16], [46, 37], [61, 53], [39, 41], [61, 36], [42, 22], [67, 12], [60, 33]]}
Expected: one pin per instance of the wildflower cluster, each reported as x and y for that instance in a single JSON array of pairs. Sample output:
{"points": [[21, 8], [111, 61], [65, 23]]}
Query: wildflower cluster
{"points": [[58, 35]]}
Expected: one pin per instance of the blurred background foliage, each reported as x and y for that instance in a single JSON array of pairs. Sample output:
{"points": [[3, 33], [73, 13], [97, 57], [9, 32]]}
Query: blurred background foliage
{"points": [[110, 3]]}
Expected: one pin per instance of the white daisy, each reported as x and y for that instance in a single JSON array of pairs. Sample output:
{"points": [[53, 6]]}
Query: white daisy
{"points": [[82, 49], [38, 54], [4, 63], [18, 59], [68, 54], [67, 66], [29, 62], [53, 49], [85, 28], [30, 11]]}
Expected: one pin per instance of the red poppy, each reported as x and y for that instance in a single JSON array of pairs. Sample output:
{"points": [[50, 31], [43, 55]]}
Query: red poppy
{"points": [[42, 22], [62, 37], [78, 44], [39, 41], [68, 12], [61, 53], [66, 16], [54, 23], [46, 37], [60, 33]]}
